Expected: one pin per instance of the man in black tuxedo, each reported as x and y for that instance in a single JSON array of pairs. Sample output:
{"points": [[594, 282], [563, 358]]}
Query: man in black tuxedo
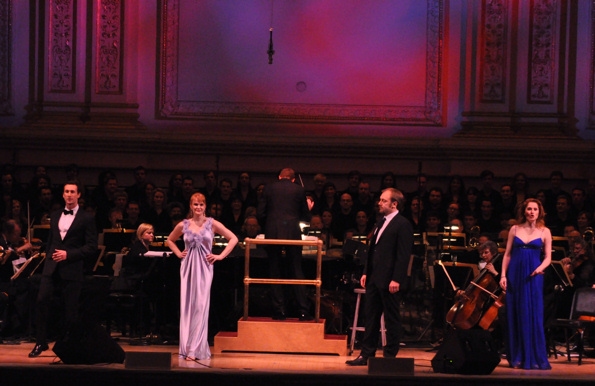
{"points": [[281, 207], [72, 239], [384, 276]]}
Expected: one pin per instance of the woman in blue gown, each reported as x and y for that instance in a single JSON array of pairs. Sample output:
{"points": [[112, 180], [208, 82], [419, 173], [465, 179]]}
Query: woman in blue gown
{"points": [[196, 275], [522, 279]]}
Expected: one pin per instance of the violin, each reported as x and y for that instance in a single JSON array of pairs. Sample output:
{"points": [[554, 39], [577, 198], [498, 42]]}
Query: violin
{"points": [[577, 261], [27, 247], [4, 254]]}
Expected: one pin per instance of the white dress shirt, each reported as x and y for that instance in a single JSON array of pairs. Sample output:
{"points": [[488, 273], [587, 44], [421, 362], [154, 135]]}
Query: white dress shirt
{"points": [[66, 221]]}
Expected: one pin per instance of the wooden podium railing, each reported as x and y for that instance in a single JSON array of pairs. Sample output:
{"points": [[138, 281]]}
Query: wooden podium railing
{"points": [[249, 280]]}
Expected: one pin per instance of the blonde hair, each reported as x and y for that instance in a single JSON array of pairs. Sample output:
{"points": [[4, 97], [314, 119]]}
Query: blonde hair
{"points": [[142, 229]]}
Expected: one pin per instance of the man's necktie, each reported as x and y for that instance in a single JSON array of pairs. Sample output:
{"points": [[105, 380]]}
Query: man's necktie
{"points": [[68, 212], [375, 237], [379, 226]]}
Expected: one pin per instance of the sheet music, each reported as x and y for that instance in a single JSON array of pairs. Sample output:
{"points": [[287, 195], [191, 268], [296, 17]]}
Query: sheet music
{"points": [[17, 264], [158, 254]]}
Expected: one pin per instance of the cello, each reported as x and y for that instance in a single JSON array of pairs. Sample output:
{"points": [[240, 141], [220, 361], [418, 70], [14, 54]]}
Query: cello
{"points": [[470, 305]]}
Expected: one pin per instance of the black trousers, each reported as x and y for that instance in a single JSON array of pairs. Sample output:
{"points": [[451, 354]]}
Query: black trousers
{"points": [[70, 291], [377, 301], [286, 267]]}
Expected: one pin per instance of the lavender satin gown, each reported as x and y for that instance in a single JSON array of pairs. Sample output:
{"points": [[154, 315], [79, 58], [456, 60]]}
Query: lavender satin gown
{"points": [[524, 307], [196, 275]]}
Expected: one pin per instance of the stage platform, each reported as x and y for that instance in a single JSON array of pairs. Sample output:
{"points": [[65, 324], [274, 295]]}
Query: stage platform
{"points": [[268, 369]]}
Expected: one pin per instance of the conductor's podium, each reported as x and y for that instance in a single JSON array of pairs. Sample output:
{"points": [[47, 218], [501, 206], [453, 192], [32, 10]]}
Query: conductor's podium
{"points": [[280, 336], [261, 334]]}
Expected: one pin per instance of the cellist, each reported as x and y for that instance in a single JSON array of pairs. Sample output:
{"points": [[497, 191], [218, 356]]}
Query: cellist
{"points": [[489, 260], [493, 309], [488, 252]]}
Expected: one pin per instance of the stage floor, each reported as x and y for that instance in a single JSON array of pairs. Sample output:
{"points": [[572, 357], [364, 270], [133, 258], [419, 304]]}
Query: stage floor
{"points": [[230, 368]]}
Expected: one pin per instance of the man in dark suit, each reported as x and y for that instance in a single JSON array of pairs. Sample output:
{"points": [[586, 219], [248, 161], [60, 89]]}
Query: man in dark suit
{"points": [[384, 276], [72, 239], [281, 207]]}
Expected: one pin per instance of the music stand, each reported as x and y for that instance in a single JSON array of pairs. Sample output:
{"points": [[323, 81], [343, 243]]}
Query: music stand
{"points": [[432, 240], [472, 270], [28, 268], [355, 248], [159, 242], [116, 239], [452, 242], [561, 273], [101, 252], [158, 257], [454, 239], [40, 232], [560, 242]]}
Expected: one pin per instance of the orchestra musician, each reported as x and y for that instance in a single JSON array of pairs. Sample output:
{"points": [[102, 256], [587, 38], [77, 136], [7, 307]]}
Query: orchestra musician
{"points": [[580, 265], [135, 262], [490, 259], [580, 268], [135, 275], [13, 248], [493, 314], [473, 306], [13, 294]]}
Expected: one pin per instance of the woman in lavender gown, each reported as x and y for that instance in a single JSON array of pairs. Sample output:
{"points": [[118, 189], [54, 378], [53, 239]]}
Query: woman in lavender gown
{"points": [[522, 279], [196, 275]]}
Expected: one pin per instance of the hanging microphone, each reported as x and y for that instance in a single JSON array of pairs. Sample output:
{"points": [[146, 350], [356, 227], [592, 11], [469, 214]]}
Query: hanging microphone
{"points": [[271, 52]]}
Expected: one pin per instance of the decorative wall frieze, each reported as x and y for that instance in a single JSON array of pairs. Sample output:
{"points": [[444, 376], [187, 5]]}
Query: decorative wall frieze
{"points": [[493, 51], [542, 51], [5, 57], [62, 47], [110, 31], [592, 69]]}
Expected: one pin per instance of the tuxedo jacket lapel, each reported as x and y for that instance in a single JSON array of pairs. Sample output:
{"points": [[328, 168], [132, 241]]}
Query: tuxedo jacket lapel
{"points": [[74, 224]]}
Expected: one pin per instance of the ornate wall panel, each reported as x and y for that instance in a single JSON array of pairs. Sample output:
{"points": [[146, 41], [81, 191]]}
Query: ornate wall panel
{"points": [[542, 51], [425, 80], [493, 50], [5, 57], [592, 68], [62, 47], [110, 31]]}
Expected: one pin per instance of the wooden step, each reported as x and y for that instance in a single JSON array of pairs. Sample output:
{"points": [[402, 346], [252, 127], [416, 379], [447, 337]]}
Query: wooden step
{"points": [[280, 336]]}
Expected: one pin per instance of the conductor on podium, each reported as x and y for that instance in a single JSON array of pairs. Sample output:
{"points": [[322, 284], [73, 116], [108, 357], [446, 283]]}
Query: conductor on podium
{"points": [[281, 208]]}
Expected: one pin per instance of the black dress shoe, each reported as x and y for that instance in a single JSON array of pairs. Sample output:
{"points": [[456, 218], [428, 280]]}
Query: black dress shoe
{"points": [[279, 315], [305, 316], [37, 350], [359, 361]]}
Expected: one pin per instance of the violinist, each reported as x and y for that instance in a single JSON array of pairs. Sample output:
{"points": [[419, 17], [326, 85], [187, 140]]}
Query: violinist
{"points": [[13, 247], [580, 265], [13, 293]]}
